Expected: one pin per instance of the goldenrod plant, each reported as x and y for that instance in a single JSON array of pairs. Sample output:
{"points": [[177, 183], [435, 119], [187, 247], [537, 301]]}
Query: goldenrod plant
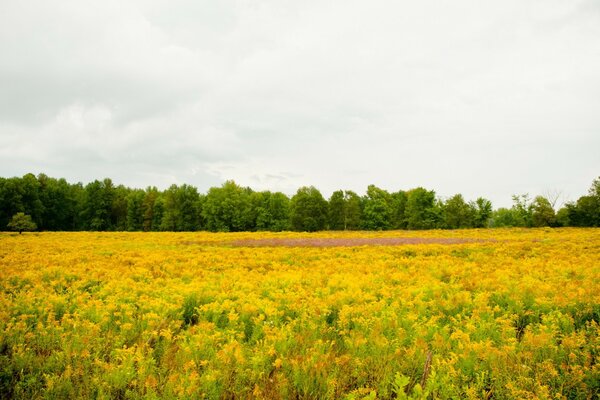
{"points": [[469, 314]]}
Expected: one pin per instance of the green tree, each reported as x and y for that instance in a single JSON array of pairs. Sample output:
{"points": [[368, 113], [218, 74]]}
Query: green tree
{"points": [[482, 209], [542, 213], [59, 204], [562, 217], [181, 209], [97, 205], [344, 210], [308, 210], [377, 211], [228, 208], [336, 211], [399, 200], [422, 212], [135, 210], [505, 217], [269, 211], [21, 222], [148, 210], [119, 212], [522, 209], [30, 197], [279, 211], [457, 213], [584, 212]]}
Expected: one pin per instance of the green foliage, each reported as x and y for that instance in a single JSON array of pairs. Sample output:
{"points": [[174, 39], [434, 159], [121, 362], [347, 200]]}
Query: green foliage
{"points": [[181, 209], [268, 211], [151, 210], [97, 205], [399, 200], [308, 210], [422, 212], [519, 215], [542, 213], [337, 211], [55, 204], [135, 216], [344, 211], [377, 210], [227, 209], [457, 213], [21, 222], [483, 212]]}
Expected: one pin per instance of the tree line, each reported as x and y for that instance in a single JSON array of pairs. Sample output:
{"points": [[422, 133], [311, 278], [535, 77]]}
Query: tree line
{"points": [[52, 204]]}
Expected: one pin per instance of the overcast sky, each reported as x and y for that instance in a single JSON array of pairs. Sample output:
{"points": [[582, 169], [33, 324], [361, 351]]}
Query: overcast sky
{"points": [[474, 97]]}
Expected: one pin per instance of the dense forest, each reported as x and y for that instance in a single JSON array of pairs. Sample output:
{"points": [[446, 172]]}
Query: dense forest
{"points": [[51, 204]]}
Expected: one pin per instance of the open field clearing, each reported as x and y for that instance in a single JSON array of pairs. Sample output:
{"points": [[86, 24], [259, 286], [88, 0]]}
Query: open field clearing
{"points": [[479, 314]]}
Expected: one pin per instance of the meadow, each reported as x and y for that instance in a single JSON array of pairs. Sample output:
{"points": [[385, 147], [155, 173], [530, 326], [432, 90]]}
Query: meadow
{"points": [[469, 314]]}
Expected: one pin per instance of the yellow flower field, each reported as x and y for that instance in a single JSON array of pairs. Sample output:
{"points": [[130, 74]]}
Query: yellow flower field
{"points": [[502, 314]]}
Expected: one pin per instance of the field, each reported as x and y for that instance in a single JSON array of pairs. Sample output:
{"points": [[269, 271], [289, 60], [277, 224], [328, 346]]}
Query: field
{"points": [[475, 314]]}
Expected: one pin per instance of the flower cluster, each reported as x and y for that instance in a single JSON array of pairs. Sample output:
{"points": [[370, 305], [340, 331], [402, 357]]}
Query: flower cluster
{"points": [[512, 314]]}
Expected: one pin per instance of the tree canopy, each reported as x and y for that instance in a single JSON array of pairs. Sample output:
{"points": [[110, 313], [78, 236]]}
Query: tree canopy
{"points": [[21, 222], [55, 204]]}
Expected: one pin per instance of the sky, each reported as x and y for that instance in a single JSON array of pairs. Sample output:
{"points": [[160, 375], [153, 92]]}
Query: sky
{"points": [[481, 98]]}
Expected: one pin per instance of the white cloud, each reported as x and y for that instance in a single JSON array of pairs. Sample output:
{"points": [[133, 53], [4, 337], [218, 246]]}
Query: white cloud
{"points": [[479, 98]]}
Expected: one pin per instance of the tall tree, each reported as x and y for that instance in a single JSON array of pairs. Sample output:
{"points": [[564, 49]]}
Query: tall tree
{"points": [[422, 212], [336, 211], [308, 210], [457, 213], [148, 210], [522, 209], [135, 210], [97, 205], [377, 211], [482, 212], [542, 213], [118, 215], [181, 209], [228, 208], [399, 200], [344, 211]]}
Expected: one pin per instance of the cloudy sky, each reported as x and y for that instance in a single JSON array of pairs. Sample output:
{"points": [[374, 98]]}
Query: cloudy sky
{"points": [[481, 98]]}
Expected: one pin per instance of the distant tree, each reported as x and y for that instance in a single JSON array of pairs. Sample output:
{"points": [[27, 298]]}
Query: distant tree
{"points": [[269, 211], [344, 210], [119, 214], [228, 208], [562, 217], [336, 211], [542, 213], [148, 210], [135, 211], [422, 212], [482, 212], [308, 210], [30, 197], [377, 211], [584, 212], [457, 213], [398, 205], [523, 211], [181, 211], [59, 204], [158, 213], [21, 222], [97, 205], [505, 217], [279, 211], [353, 210]]}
